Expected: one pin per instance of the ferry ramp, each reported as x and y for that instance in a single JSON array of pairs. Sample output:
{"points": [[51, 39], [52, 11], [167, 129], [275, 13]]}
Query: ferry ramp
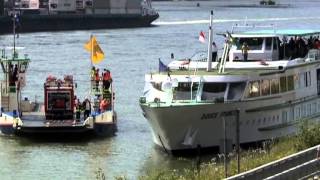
{"points": [[302, 165]]}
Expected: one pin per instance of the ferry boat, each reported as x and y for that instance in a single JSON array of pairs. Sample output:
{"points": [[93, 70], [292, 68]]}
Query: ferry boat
{"points": [[197, 102], [59, 114]]}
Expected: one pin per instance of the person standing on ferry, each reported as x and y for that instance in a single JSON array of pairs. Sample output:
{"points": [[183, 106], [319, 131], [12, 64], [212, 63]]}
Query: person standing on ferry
{"points": [[244, 50], [87, 108], [214, 52], [106, 79], [97, 78]]}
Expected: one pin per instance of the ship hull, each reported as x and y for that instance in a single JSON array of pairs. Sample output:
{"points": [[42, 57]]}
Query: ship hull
{"points": [[188, 127], [38, 23]]}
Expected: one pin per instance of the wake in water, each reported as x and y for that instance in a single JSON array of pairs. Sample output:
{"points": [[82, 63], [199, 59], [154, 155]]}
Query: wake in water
{"points": [[233, 20]]}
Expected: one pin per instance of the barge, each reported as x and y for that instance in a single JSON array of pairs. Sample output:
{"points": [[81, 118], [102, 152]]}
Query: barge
{"points": [[61, 15]]}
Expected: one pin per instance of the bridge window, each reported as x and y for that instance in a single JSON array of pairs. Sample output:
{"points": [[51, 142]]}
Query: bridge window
{"points": [[275, 44], [211, 91], [268, 43], [157, 85], [253, 43], [185, 90], [236, 90], [283, 84], [274, 86], [290, 81], [296, 81], [254, 89], [265, 87]]}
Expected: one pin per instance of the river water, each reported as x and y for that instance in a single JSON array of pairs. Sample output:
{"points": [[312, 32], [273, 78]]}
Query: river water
{"points": [[130, 53]]}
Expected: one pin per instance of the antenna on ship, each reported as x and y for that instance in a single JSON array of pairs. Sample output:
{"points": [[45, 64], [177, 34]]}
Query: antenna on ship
{"points": [[14, 30], [209, 59]]}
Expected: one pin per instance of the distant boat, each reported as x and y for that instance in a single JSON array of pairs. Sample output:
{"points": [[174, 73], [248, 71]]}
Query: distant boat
{"points": [[59, 15]]}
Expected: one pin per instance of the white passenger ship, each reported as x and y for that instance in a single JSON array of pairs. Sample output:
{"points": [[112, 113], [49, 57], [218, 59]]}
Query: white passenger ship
{"points": [[275, 89]]}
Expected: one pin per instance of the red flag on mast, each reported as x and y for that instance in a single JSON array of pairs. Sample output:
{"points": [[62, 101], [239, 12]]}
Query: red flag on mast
{"points": [[202, 37]]}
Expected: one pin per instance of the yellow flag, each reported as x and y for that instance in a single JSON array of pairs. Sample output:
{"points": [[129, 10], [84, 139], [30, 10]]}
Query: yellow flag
{"points": [[97, 54]]}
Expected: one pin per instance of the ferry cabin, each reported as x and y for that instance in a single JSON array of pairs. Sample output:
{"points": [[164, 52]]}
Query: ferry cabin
{"points": [[59, 98]]}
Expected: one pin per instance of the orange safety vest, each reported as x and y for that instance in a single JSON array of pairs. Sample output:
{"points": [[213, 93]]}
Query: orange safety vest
{"points": [[103, 105], [106, 76], [97, 76]]}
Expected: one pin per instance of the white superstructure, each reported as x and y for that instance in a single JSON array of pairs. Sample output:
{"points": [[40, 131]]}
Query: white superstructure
{"points": [[274, 90]]}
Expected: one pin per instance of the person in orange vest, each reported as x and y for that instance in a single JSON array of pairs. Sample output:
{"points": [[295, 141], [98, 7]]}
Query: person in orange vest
{"points": [[106, 79], [97, 78], [104, 105]]}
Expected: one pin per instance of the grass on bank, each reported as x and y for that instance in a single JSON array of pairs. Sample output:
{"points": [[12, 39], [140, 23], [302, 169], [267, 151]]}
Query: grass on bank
{"points": [[308, 136]]}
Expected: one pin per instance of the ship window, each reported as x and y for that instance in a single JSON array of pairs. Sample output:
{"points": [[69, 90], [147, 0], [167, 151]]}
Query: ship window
{"points": [[290, 81], [274, 44], [265, 87], [253, 43], [254, 89], [59, 101], [303, 110], [212, 91], [236, 90], [274, 86], [302, 80], [297, 112], [88, 3], [268, 43], [309, 78], [183, 91], [53, 6], [296, 81], [283, 84], [284, 116], [309, 110], [214, 87], [314, 108], [157, 85], [306, 79]]}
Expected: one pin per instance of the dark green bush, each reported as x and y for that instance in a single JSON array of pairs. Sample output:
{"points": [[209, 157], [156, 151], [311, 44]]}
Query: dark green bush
{"points": [[309, 135]]}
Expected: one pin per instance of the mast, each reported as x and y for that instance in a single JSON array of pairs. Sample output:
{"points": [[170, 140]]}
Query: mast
{"points": [[91, 65], [14, 29], [209, 59]]}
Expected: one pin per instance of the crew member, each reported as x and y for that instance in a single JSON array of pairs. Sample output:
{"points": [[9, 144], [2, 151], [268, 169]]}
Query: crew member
{"points": [[87, 108], [106, 79], [104, 105], [97, 78], [244, 50], [78, 110], [214, 51]]}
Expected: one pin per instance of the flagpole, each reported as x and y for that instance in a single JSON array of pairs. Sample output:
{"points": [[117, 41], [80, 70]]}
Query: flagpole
{"points": [[91, 54], [209, 59]]}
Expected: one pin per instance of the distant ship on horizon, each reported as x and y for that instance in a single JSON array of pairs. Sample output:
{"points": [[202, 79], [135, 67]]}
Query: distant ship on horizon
{"points": [[59, 15]]}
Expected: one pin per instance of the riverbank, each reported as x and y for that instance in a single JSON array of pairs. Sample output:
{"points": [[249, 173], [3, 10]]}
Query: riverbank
{"points": [[249, 159]]}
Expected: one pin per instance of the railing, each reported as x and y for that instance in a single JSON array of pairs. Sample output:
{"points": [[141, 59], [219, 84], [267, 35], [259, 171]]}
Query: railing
{"points": [[291, 167]]}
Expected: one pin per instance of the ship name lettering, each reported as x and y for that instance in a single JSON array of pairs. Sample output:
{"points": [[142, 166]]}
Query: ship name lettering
{"points": [[209, 116]]}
